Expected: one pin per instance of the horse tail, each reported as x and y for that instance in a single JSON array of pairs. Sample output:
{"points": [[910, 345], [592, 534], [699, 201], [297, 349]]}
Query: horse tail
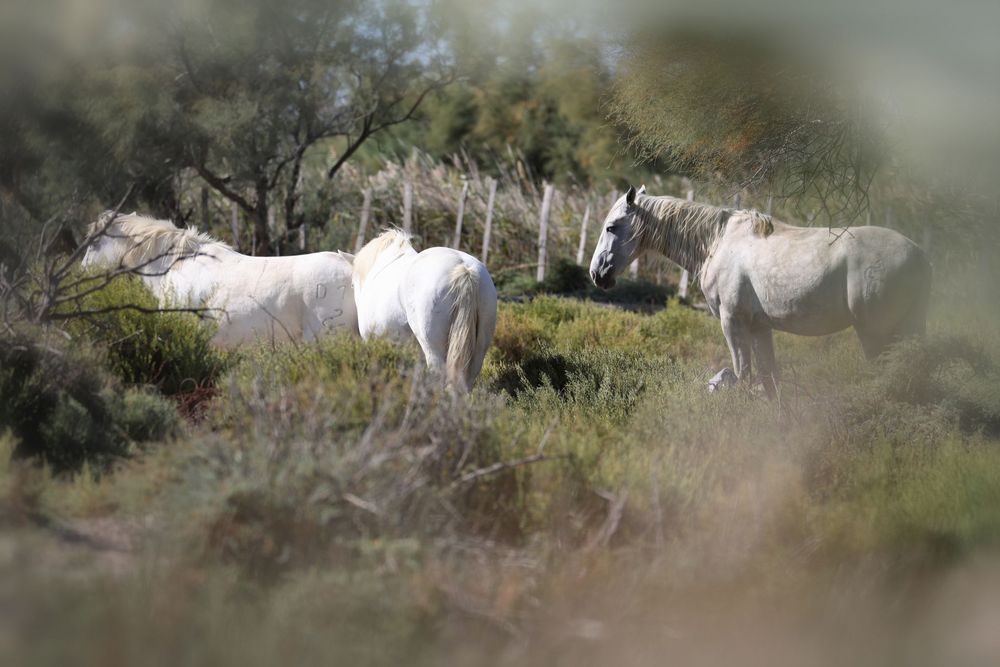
{"points": [[463, 286]]}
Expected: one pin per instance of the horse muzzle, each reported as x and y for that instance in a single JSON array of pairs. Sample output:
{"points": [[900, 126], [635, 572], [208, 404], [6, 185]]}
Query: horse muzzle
{"points": [[603, 278]]}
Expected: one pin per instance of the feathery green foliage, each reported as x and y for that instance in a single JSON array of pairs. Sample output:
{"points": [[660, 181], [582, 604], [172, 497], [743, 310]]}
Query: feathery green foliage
{"points": [[171, 351]]}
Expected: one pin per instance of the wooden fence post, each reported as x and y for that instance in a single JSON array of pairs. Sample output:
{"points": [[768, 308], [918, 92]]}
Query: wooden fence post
{"points": [[543, 232], [408, 207], [366, 207], [737, 198], [303, 236], [461, 213], [488, 228], [234, 224], [770, 202], [583, 235]]}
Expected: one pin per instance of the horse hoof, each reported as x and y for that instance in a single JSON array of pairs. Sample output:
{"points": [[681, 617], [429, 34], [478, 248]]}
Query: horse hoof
{"points": [[724, 378]]}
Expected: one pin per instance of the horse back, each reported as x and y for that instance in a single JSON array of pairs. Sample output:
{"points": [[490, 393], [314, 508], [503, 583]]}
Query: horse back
{"points": [[815, 280]]}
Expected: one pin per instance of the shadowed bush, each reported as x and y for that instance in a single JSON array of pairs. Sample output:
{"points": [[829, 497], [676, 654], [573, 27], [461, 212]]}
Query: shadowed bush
{"points": [[566, 278], [64, 411]]}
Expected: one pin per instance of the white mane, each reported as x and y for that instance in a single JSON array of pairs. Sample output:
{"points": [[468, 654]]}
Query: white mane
{"points": [[686, 231], [153, 239], [391, 240]]}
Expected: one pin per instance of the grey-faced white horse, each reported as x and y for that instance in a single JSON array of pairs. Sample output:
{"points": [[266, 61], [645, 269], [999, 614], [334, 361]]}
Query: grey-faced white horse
{"points": [[271, 298], [758, 274]]}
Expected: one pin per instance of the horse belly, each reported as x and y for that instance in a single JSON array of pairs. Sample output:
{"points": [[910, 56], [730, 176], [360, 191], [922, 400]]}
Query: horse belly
{"points": [[811, 303]]}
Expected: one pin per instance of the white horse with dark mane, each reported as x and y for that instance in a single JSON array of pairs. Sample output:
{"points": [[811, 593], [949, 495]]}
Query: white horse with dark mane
{"points": [[270, 298], [758, 274], [442, 297]]}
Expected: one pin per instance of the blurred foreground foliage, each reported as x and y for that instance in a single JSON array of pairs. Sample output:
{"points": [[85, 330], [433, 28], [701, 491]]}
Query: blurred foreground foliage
{"points": [[66, 411], [340, 504]]}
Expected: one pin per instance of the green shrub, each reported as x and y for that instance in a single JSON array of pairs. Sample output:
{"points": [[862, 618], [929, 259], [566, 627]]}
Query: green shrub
{"points": [[570, 325], [519, 333], [564, 276], [171, 351], [632, 293], [63, 410], [513, 284]]}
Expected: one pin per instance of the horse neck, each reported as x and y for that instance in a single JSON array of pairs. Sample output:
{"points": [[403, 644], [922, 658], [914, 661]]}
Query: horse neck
{"points": [[683, 232], [384, 259], [160, 266]]}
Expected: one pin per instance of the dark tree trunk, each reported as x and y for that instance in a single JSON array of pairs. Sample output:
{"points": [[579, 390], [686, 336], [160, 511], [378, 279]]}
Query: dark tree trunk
{"points": [[292, 195], [261, 229]]}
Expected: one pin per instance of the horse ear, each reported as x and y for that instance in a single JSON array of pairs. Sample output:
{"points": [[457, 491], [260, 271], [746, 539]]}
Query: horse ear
{"points": [[642, 189], [630, 195], [346, 255]]}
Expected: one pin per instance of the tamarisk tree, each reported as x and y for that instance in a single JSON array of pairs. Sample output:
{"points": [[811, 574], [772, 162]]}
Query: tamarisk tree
{"points": [[257, 84]]}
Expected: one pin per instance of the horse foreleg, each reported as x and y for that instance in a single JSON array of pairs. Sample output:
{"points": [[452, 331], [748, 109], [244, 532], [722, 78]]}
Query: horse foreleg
{"points": [[738, 339], [767, 369]]}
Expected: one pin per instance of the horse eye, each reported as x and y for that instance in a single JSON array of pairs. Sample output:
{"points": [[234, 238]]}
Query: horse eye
{"points": [[610, 228]]}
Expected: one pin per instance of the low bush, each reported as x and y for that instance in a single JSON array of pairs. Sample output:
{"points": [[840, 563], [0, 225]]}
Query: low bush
{"points": [[315, 448], [566, 278], [171, 351], [65, 412]]}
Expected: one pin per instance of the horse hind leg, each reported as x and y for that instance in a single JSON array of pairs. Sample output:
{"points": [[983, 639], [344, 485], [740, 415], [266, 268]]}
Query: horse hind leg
{"points": [[767, 369], [435, 349], [485, 329], [912, 324]]}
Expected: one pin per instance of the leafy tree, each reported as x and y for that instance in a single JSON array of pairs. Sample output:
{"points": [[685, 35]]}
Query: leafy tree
{"points": [[260, 84], [531, 85], [237, 91]]}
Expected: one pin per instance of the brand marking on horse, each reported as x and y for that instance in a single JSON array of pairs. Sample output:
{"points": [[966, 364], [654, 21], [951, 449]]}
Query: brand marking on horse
{"points": [[320, 291], [334, 320], [874, 276]]}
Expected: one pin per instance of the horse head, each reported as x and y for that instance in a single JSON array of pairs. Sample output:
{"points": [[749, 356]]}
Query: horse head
{"points": [[617, 245], [106, 244]]}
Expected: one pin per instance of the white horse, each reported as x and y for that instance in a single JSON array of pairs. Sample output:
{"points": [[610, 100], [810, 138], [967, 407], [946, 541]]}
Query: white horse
{"points": [[758, 274], [271, 298], [443, 297]]}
